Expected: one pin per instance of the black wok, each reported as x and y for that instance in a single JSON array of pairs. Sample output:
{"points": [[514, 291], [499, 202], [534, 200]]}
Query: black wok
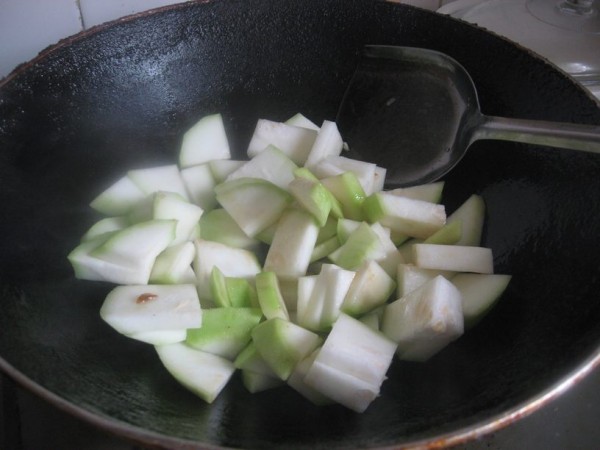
{"points": [[121, 95]]}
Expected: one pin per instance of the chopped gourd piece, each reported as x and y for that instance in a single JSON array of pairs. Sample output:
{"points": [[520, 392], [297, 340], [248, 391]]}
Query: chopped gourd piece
{"points": [[241, 293], [258, 382], [306, 286], [370, 288], [322, 300], [134, 249], [160, 337], [168, 205], [249, 359], [479, 293], [204, 141], [293, 243], [425, 321], [141, 308], [119, 198], [271, 165], [283, 344], [218, 226], [332, 166], [345, 227], [411, 277], [103, 226], [200, 185], [472, 215], [296, 381], [173, 265], [328, 230], [335, 206], [222, 168], [299, 120], [161, 178], [430, 192], [387, 255], [362, 245], [253, 204], [232, 262], [373, 318], [457, 258], [269, 296], [202, 373], [325, 249], [415, 218], [295, 142], [378, 179], [218, 288], [328, 143], [348, 191], [224, 331], [313, 197], [447, 235], [351, 366]]}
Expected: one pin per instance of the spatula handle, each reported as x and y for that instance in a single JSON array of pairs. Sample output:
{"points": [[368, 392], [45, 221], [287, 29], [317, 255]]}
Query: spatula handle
{"points": [[552, 134]]}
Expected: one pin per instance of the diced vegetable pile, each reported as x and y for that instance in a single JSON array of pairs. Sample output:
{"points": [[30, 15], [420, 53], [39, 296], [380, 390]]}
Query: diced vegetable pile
{"points": [[295, 266]]}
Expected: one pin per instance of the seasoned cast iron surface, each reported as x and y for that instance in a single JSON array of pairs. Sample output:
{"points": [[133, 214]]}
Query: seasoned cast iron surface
{"points": [[121, 97]]}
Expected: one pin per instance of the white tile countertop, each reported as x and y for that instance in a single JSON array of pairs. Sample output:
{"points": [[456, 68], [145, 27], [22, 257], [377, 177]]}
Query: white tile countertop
{"points": [[550, 29], [29, 26]]}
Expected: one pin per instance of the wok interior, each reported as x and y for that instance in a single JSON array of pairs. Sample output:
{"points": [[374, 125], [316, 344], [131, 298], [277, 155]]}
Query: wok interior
{"points": [[120, 98]]}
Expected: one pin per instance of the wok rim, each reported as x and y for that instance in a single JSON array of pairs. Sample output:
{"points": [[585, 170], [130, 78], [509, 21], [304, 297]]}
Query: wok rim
{"points": [[462, 435], [65, 42], [139, 435]]}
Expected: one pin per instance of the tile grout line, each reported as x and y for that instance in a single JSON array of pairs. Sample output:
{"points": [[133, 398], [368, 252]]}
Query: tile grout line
{"points": [[81, 20]]}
